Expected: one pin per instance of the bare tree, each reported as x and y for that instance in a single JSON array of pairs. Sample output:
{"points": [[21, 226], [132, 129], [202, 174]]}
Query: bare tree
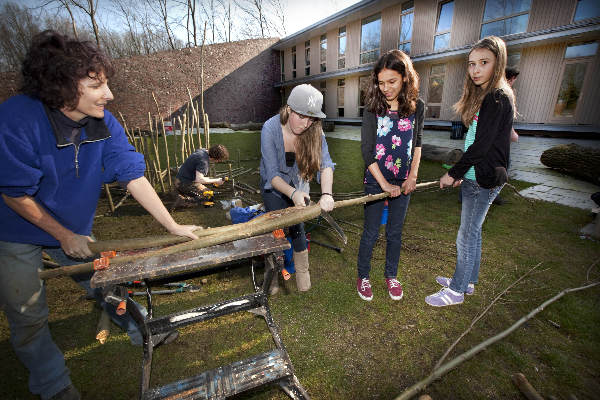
{"points": [[279, 10], [226, 20], [210, 14], [127, 10], [192, 14], [89, 7], [164, 15], [255, 13], [17, 28], [65, 3]]}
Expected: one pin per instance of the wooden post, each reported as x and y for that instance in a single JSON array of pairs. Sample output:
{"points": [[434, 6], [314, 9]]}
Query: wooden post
{"points": [[110, 200]]}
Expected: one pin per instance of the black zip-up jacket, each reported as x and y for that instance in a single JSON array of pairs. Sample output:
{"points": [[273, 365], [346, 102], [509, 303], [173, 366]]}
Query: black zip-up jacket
{"points": [[368, 133], [490, 151]]}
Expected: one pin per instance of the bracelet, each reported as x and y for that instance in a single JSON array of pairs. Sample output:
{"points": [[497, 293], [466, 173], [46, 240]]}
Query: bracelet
{"points": [[292, 196], [328, 194]]}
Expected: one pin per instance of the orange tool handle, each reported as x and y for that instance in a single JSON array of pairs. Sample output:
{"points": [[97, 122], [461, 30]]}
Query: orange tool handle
{"points": [[122, 308], [279, 234], [108, 254], [101, 263]]}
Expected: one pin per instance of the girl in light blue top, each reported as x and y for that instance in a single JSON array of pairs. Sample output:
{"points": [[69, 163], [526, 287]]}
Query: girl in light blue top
{"points": [[294, 150]]}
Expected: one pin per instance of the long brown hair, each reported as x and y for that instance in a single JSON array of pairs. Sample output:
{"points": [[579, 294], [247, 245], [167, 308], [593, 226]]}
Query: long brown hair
{"points": [[407, 98], [308, 146], [473, 95]]}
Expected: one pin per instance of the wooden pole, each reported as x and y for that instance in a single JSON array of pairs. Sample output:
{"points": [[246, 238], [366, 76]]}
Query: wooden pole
{"points": [[109, 197], [264, 223]]}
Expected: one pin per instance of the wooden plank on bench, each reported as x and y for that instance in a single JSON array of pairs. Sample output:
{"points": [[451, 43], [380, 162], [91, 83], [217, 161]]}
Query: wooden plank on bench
{"points": [[190, 260]]}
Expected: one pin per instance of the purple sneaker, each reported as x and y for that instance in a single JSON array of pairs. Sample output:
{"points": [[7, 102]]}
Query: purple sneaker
{"points": [[444, 297], [364, 289], [445, 282], [394, 288]]}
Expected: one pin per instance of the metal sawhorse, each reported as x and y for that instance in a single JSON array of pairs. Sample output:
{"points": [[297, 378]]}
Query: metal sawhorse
{"points": [[273, 366]]}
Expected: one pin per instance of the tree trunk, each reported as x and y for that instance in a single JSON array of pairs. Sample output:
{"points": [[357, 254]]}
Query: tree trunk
{"points": [[575, 160], [442, 154]]}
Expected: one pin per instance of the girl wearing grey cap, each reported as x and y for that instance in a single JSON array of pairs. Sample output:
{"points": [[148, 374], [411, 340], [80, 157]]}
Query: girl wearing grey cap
{"points": [[294, 151]]}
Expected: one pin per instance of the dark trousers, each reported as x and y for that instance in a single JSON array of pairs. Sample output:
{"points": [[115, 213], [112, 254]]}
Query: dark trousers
{"points": [[397, 207], [274, 200]]}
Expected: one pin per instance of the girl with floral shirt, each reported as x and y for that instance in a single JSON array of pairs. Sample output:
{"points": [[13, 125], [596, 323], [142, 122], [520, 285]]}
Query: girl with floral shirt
{"points": [[391, 148]]}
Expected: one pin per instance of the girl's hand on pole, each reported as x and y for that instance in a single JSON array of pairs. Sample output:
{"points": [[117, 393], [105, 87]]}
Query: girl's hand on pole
{"points": [[447, 181], [409, 185], [300, 198], [393, 190], [184, 230], [326, 202]]}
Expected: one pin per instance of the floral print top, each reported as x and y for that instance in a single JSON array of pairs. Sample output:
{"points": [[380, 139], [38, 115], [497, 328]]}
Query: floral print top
{"points": [[393, 149]]}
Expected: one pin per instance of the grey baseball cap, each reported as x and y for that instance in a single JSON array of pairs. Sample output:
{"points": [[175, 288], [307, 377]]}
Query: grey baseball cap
{"points": [[306, 100]]}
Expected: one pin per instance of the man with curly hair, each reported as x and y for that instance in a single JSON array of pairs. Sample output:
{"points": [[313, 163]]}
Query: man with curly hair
{"points": [[58, 145]]}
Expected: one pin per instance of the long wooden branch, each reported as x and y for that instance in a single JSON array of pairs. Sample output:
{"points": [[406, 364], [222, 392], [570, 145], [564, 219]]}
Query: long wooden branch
{"points": [[414, 389], [264, 223], [478, 317]]}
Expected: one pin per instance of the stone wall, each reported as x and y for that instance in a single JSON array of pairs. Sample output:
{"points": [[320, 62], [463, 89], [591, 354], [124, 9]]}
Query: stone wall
{"points": [[238, 83]]}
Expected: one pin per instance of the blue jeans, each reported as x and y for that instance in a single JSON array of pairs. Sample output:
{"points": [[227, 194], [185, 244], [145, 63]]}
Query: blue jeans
{"points": [[475, 205], [23, 299], [397, 207], [274, 200]]}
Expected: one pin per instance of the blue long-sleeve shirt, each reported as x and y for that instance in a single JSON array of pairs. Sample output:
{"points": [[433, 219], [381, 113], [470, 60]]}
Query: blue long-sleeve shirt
{"points": [[272, 162], [62, 177]]}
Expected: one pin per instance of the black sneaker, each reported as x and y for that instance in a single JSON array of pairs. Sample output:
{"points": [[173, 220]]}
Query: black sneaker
{"points": [[68, 393], [499, 201]]}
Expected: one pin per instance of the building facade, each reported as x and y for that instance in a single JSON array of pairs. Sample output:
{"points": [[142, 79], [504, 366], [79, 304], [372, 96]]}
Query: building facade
{"points": [[554, 44]]}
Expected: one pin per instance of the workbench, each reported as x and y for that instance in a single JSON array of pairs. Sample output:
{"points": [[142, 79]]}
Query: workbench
{"points": [[272, 367]]}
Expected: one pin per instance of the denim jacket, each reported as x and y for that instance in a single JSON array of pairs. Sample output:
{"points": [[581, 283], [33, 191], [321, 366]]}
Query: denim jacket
{"points": [[272, 162]]}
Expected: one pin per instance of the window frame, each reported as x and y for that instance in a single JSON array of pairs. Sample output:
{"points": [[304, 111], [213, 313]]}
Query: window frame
{"points": [[323, 53], [437, 22], [575, 13], [345, 36], [588, 61], [282, 63], [504, 17], [307, 58], [429, 103], [361, 107], [341, 84], [294, 61], [404, 12], [378, 49]]}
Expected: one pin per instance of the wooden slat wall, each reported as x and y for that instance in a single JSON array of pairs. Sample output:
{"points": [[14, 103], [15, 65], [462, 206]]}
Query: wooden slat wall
{"points": [[332, 50], [300, 59], [453, 86], [287, 59], [424, 26], [466, 22], [330, 99], [351, 97], [587, 110], [390, 25], [545, 14], [352, 44], [536, 85]]}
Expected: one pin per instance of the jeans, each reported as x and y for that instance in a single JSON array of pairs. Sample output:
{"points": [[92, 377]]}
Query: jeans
{"points": [[475, 205], [397, 207], [125, 321], [23, 299], [274, 200]]}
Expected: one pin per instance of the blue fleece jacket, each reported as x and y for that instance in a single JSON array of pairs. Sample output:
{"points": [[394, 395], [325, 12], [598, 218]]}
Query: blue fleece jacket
{"points": [[65, 179]]}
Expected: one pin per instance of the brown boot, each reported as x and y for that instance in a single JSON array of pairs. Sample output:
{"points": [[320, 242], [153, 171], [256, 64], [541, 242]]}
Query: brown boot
{"points": [[302, 274]]}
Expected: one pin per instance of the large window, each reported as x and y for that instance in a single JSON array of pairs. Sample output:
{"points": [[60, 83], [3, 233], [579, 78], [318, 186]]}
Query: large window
{"points": [[307, 57], [444, 25], [293, 62], [363, 87], [341, 83], [323, 90], [436, 88], [370, 38], [342, 48], [323, 53], [577, 59], [587, 9], [406, 26], [505, 17]]}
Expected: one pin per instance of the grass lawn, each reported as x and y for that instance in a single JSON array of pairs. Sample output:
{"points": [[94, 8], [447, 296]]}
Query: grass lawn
{"points": [[341, 346]]}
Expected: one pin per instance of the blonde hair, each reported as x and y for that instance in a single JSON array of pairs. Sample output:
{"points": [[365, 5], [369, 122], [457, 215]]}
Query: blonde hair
{"points": [[473, 95], [308, 146]]}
